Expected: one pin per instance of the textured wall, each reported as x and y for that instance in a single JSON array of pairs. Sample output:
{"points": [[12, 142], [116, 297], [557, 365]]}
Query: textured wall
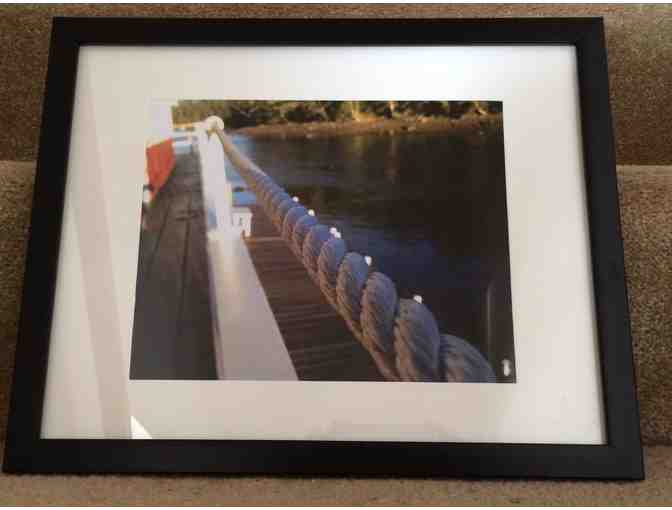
{"points": [[639, 43]]}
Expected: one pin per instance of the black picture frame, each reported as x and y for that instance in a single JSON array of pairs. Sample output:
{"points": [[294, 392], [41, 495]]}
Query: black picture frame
{"points": [[619, 458]]}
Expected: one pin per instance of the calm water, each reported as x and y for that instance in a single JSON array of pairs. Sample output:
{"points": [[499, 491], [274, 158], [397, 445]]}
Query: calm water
{"points": [[429, 208]]}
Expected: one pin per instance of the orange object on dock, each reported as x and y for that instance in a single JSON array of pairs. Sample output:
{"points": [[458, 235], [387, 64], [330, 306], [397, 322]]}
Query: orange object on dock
{"points": [[160, 163]]}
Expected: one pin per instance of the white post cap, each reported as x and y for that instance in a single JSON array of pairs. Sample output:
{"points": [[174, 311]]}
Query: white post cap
{"points": [[213, 121]]}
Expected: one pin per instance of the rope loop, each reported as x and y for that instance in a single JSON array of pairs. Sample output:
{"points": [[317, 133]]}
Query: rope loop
{"points": [[259, 174], [260, 189], [294, 215], [275, 202], [260, 178], [264, 187], [352, 275], [331, 256], [300, 231], [459, 361], [379, 308], [281, 211], [257, 181], [416, 342], [312, 246], [268, 197], [270, 189]]}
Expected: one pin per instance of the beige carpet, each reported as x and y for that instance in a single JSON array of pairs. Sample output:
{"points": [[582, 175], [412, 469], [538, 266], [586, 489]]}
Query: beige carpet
{"points": [[646, 205]]}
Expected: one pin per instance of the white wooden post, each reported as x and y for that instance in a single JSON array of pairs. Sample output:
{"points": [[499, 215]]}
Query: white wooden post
{"points": [[219, 187], [248, 343]]}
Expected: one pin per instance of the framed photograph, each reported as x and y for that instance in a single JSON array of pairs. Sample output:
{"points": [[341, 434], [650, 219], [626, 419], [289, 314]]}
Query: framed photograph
{"points": [[326, 247]]}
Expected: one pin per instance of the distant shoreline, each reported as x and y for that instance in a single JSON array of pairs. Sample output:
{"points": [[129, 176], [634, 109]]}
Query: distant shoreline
{"points": [[309, 130]]}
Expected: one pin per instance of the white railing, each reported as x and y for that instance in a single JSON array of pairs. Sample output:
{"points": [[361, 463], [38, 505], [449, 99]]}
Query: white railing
{"points": [[243, 323]]}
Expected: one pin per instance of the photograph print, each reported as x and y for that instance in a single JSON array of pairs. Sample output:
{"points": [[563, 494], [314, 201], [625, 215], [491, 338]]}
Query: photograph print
{"points": [[324, 241]]}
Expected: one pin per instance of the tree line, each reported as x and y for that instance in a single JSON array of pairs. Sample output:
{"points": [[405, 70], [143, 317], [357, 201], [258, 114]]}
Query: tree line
{"points": [[238, 114]]}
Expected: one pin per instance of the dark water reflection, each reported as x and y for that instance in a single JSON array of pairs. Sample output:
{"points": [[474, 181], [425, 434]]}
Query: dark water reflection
{"points": [[429, 208]]}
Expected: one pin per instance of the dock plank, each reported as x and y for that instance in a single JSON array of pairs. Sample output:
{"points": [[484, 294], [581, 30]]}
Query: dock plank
{"points": [[172, 330], [194, 336]]}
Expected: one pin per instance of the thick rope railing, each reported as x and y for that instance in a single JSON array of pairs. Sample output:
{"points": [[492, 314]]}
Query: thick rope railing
{"points": [[401, 335]]}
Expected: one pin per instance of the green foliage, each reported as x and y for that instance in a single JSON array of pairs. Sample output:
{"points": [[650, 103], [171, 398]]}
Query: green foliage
{"points": [[238, 114]]}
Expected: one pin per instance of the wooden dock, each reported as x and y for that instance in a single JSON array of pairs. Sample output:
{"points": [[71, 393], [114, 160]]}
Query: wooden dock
{"points": [[320, 344], [172, 326]]}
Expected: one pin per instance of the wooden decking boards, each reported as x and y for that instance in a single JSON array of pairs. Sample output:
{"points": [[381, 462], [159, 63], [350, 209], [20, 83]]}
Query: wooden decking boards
{"points": [[320, 344], [172, 328]]}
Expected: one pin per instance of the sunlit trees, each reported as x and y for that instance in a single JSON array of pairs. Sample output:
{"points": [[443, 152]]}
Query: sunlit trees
{"points": [[252, 113]]}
